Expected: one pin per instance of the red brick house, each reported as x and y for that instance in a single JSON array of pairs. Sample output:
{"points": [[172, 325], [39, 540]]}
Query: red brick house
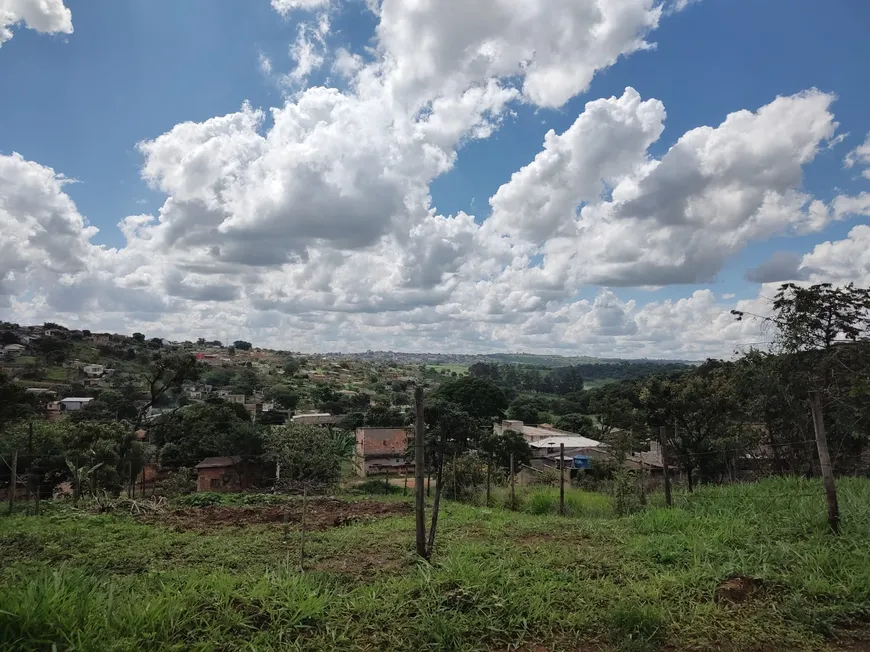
{"points": [[381, 450], [224, 474]]}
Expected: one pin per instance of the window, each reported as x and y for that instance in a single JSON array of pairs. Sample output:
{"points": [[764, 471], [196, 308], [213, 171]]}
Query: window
{"points": [[215, 483]]}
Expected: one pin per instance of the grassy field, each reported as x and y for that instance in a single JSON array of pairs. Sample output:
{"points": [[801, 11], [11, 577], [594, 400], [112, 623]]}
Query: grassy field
{"points": [[449, 368], [197, 579]]}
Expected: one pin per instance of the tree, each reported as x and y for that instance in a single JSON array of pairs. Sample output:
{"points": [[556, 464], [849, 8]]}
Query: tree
{"points": [[165, 372], [283, 395], [566, 380], [309, 456], [478, 397], [811, 322], [192, 433], [500, 447], [15, 402], [138, 337], [579, 424], [8, 337], [155, 343], [381, 416], [528, 410], [241, 345]]}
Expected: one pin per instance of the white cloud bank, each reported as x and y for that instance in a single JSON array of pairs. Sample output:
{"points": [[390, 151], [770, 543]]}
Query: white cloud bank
{"points": [[46, 16], [318, 232]]}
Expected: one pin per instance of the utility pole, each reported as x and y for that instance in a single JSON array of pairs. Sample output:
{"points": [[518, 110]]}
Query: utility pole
{"points": [[562, 479], [419, 464], [825, 462], [665, 469]]}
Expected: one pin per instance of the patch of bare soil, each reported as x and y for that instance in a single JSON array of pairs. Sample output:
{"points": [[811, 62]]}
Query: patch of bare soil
{"points": [[365, 563], [736, 589], [321, 514]]}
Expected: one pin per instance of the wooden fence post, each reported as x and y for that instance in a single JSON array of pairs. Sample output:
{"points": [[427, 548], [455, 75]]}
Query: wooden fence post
{"points": [[13, 482], [419, 464], [562, 479], [825, 462], [513, 479], [488, 476], [665, 469], [302, 530]]}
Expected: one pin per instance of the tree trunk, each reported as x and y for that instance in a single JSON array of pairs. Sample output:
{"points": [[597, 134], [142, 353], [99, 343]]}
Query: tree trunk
{"points": [[439, 477], [419, 463], [562, 479], [689, 482], [825, 462]]}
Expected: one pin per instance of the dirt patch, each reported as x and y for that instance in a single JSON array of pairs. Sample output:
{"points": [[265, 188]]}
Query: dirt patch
{"points": [[736, 589], [321, 514], [365, 564]]}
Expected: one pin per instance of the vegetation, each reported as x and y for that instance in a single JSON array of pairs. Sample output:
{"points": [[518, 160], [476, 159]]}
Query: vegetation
{"points": [[501, 579]]}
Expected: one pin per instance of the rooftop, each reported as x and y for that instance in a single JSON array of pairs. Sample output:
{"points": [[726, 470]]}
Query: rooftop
{"points": [[570, 441], [217, 462]]}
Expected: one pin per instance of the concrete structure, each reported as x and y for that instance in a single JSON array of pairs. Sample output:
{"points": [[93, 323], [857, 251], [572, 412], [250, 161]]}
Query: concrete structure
{"points": [[235, 398], [315, 419], [13, 350], [93, 370], [223, 474], [74, 403], [381, 450]]}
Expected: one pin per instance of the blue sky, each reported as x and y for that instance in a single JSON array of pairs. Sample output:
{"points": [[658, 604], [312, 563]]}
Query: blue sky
{"points": [[132, 70]]}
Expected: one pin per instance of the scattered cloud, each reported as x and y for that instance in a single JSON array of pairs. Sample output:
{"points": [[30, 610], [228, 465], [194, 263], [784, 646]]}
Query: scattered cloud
{"points": [[45, 16], [860, 156]]}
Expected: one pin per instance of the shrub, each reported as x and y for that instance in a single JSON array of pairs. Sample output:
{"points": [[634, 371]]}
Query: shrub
{"points": [[376, 487]]}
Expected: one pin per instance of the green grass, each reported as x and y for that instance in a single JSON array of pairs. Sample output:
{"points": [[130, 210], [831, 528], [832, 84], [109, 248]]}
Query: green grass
{"points": [[500, 580], [449, 368]]}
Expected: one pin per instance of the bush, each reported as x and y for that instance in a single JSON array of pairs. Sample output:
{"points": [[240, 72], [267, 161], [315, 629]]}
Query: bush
{"points": [[179, 483], [470, 473], [636, 627], [376, 487]]}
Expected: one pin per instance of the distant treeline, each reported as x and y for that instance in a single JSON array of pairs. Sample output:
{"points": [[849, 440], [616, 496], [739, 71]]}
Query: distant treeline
{"points": [[567, 379]]}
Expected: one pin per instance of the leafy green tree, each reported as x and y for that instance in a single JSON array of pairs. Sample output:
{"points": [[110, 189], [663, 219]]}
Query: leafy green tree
{"points": [[478, 397], [241, 345], [15, 402], [284, 395], [202, 430], [528, 410], [138, 337], [499, 448], [580, 424], [308, 455]]}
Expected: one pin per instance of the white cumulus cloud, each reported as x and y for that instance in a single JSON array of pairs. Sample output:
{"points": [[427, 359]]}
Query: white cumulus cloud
{"points": [[46, 16]]}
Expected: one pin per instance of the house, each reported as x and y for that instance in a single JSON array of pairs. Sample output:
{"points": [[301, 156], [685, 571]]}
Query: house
{"points": [[234, 398], [381, 450], [74, 403], [39, 391], [93, 370], [14, 350], [224, 474], [315, 419]]}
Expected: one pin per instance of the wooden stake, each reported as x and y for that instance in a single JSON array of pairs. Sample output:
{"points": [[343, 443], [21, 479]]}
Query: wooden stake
{"points": [[488, 476], [302, 531], [562, 479], [419, 464], [455, 495], [13, 482], [513, 480], [665, 469], [825, 462]]}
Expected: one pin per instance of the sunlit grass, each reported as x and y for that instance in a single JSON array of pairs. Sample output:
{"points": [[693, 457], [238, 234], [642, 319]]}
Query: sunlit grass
{"points": [[499, 580]]}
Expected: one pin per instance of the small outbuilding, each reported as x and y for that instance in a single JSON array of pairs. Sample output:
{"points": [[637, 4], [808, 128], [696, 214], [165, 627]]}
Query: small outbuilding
{"points": [[224, 474]]}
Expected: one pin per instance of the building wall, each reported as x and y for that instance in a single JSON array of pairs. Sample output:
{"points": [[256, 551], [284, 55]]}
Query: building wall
{"points": [[224, 479], [380, 450]]}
